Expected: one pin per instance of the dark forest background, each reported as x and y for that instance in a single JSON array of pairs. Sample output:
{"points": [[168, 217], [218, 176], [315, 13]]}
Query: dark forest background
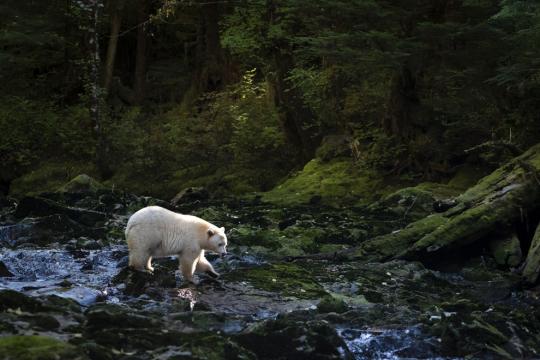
{"points": [[241, 96]]}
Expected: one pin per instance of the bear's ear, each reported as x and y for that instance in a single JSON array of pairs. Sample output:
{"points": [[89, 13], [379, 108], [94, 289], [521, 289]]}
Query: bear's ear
{"points": [[222, 229], [210, 232]]}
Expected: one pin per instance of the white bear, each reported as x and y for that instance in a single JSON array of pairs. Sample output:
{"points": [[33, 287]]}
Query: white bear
{"points": [[154, 232]]}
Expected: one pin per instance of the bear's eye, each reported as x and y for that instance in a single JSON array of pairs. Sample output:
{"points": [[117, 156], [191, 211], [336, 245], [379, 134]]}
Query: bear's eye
{"points": [[221, 244]]}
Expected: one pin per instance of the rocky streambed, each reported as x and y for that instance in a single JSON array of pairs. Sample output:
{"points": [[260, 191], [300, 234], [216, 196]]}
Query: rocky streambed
{"points": [[65, 291]]}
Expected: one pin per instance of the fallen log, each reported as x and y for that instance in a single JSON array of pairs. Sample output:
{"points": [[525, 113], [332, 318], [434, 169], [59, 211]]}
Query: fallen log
{"points": [[494, 204]]}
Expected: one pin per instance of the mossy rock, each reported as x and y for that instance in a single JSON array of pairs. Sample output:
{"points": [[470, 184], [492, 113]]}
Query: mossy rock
{"points": [[287, 279], [48, 176], [467, 176], [103, 316], [331, 303], [408, 203], [494, 204], [11, 299], [37, 348], [290, 339], [337, 182], [81, 183], [506, 250]]}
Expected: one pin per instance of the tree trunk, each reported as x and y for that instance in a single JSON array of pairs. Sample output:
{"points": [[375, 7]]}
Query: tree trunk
{"points": [[297, 119], [95, 93], [209, 54], [116, 22], [403, 100], [141, 52]]}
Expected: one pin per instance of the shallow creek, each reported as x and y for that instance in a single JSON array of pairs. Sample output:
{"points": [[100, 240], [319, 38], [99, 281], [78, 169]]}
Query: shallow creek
{"points": [[261, 306]]}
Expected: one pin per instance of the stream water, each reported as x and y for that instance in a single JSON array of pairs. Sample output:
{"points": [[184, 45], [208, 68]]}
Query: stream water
{"points": [[261, 306]]}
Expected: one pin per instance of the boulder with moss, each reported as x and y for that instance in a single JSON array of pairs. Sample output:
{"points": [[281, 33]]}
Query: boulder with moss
{"points": [[506, 250], [495, 204], [338, 182], [38, 348], [82, 183]]}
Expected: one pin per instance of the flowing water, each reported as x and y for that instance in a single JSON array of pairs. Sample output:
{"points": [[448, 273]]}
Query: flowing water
{"points": [[395, 310]]}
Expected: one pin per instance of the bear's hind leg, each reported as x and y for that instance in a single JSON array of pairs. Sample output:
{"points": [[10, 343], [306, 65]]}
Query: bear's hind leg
{"points": [[203, 265]]}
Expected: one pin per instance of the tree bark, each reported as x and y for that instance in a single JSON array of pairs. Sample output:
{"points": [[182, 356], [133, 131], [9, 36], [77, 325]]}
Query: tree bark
{"points": [[141, 52], [116, 8], [95, 92], [403, 100]]}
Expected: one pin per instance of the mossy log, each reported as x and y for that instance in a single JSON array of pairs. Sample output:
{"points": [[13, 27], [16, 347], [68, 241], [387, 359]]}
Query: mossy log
{"points": [[531, 270], [494, 204]]}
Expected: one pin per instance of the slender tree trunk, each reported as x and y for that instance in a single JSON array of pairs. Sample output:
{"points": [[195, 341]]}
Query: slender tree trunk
{"points": [[210, 70], [141, 52], [403, 100], [297, 119], [95, 92], [116, 22]]}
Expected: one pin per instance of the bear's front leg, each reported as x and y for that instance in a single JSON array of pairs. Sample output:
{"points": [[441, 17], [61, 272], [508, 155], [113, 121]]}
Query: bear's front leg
{"points": [[187, 267], [204, 266]]}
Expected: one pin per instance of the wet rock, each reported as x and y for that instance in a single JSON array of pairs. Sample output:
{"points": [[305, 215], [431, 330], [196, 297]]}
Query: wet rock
{"points": [[190, 194], [4, 271], [82, 295], [288, 279], [443, 205], [60, 304], [104, 316], [408, 203], [332, 304], [287, 339], [11, 299], [38, 348], [45, 230], [506, 250], [42, 321], [531, 270], [138, 282], [39, 206]]}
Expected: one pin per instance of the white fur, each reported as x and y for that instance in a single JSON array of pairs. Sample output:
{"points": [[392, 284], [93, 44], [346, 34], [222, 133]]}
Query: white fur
{"points": [[154, 232]]}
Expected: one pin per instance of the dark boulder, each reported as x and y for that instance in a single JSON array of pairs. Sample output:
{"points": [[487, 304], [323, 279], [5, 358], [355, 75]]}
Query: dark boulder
{"points": [[39, 206], [289, 339]]}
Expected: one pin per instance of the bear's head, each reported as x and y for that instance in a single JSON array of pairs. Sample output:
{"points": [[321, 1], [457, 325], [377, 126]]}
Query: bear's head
{"points": [[217, 241]]}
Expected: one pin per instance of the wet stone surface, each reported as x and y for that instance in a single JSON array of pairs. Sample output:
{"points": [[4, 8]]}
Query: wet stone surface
{"points": [[65, 288]]}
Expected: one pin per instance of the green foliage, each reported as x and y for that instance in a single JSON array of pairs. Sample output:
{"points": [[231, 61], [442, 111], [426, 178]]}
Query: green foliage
{"points": [[34, 130], [37, 347], [409, 84]]}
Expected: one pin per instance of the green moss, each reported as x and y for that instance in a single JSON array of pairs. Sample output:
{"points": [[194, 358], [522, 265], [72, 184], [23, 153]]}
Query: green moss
{"points": [[37, 348], [292, 241], [337, 182], [285, 278], [331, 303], [82, 182], [49, 176], [440, 191], [390, 245], [466, 177]]}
